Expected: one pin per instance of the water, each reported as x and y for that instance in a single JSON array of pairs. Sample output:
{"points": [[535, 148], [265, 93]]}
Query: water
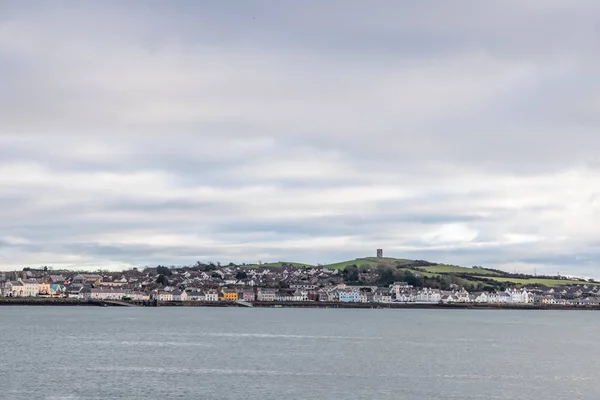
{"points": [[234, 353]]}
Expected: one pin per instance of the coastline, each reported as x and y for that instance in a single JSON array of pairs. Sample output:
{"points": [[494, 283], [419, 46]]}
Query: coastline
{"points": [[65, 302]]}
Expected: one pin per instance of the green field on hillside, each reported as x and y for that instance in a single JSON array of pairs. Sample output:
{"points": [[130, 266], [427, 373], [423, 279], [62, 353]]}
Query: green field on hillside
{"points": [[368, 262], [453, 269], [540, 281], [471, 275]]}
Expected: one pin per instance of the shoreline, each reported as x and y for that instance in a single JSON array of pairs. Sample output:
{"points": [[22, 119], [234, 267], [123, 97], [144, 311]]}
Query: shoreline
{"points": [[62, 302]]}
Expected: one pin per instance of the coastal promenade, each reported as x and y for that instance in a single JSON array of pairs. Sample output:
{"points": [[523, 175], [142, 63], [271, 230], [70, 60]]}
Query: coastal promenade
{"points": [[36, 301]]}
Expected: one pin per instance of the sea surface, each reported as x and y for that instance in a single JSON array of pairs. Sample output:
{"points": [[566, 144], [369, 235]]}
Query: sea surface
{"points": [[238, 353]]}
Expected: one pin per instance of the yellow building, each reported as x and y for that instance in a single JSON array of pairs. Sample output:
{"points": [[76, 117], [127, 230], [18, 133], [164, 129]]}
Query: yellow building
{"points": [[230, 295]]}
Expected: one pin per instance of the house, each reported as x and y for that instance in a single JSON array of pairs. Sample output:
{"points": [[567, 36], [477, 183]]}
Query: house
{"points": [[503, 298], [211, 295], [138, 296], [328, 295], [248, 295], [116, 282], [523, 296], [407, 296], [462, 296], [265, 294], [229, 295], [400, 287], [56, 279], [196, 296], [89, 279], [22, 288], [165, 296], [300, 295], [303, 285], [44, 289], [74, 291], [31, 287], [591, 302], [286, 295], [348, 296], [56, 289], [365, 297], [14, 289], [103, 293], [448, 298], [480, 297], [313, 295], [179, 295], [428, 295], [382, 295]]}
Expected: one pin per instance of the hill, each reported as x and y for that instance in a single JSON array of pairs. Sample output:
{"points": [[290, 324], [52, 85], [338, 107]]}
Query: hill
{"points": [[476, 276]]}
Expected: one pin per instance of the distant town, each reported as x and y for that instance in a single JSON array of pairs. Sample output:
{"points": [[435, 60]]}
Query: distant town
{"points": [[366, 281]]}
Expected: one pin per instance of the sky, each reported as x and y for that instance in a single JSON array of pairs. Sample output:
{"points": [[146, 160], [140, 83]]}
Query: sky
{"points": [[156, 132]]}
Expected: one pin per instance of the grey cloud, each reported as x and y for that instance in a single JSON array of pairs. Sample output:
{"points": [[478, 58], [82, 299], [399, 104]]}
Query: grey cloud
{"points": [[134, 133]]}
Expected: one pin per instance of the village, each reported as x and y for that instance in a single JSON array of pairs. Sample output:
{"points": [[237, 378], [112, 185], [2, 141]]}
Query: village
{"points": [[288, 285]]}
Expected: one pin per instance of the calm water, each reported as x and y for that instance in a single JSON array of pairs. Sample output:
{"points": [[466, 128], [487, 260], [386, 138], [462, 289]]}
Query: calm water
{"points": [[231, 353]]}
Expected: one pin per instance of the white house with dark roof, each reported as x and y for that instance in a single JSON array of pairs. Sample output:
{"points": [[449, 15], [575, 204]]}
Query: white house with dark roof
{"points": [[179, 295], [211, 295]]}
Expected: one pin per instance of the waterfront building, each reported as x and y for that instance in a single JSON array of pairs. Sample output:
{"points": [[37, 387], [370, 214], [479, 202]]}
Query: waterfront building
{"points": [[265, 294], [211, 295], [348, 296], [230, 295]]}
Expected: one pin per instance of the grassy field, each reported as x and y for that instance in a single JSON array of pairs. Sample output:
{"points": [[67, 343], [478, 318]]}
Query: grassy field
{"points": [[368, 262], [453, 269], [536, 281], [435, 270]]}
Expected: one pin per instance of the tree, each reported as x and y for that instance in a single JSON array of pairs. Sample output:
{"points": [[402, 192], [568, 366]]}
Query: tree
{"points": [[163, 270], [350, 273], [412, 279], [241, 275], [386, 277], [162, 280]]}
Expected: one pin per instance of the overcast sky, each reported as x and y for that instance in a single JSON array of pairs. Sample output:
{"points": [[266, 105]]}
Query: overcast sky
{"points": [[138, 133]]}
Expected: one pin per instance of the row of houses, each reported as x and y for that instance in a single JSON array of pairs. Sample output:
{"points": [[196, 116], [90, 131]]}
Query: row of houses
{"points": [[348, 294], [82, 287], [299, 289]]}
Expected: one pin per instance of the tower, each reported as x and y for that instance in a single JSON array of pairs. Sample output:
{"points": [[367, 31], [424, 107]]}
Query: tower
{"points": [[379, 253]]}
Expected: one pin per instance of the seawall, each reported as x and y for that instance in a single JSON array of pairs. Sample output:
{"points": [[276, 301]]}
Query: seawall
{"points": [[45, 301]]}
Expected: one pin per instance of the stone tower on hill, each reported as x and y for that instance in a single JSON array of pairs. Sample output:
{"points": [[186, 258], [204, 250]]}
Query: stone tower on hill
{"points": [[379, 253]]}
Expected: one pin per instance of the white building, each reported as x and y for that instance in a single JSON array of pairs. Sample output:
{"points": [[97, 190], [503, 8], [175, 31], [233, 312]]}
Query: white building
{"points": [[196, 296], [211, 295], [520, 296], [22, 288], [265, 294], [428, 295], [165, 296], [179, 296], [31, 287]]}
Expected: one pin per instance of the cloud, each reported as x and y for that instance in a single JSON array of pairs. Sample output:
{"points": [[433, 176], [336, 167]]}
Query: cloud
{"points": [[140, 133]]}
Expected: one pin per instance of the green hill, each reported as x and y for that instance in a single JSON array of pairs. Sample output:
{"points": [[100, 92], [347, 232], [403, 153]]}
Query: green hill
{"points": [[426, 269], [453, 269], [369, 262]]}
